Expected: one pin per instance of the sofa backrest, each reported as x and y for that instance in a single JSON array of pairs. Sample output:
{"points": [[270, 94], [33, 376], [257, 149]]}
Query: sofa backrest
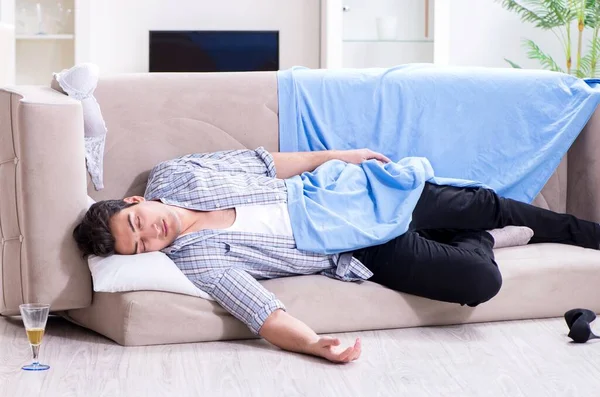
{"points": [[156, 117]]}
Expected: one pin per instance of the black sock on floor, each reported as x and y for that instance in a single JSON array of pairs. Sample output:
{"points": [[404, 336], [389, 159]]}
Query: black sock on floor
{"points": [[579, 321]]}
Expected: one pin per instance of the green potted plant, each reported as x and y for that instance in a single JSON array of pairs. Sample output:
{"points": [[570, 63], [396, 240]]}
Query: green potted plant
{"points": [[558, 16]]}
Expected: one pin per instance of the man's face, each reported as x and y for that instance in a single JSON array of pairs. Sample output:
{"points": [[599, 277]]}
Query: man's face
{"points": [[145, 227]]}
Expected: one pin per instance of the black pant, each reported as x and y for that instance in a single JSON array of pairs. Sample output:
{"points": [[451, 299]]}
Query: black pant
{"points": [[447, 255]]}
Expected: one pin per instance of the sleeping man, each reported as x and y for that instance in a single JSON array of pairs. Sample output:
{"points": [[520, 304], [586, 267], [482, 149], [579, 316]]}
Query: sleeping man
{"points": [[228, 219]]}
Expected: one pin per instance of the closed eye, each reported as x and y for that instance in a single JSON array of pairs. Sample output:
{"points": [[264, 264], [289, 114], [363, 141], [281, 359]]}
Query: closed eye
{"points": [[139, 223]]}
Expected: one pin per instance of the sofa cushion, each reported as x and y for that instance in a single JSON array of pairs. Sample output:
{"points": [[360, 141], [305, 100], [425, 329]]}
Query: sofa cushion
{"points": [[540, 280]]}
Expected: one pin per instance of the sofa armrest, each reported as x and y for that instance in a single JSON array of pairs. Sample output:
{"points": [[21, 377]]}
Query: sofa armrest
{"points": [[583, 180], [42, 196]]}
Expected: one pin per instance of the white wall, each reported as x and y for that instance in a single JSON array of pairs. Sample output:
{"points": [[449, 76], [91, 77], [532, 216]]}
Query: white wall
{"points": [[332, 25], [7, 43], [118, 38], [7, 54], [7, 11], [482, 33]]}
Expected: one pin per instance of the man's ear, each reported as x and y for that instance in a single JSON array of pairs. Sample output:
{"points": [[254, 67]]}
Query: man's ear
{"points": [[134, 199]]}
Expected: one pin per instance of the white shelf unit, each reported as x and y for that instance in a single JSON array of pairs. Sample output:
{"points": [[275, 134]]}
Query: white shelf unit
{"points": [[350, 36], [45, 37], [35, 56]]}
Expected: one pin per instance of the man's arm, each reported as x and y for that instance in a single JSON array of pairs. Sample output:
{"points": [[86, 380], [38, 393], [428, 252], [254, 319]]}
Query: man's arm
{"points": [[247, 300], [242, 161], [290, 164], [289, 333]]}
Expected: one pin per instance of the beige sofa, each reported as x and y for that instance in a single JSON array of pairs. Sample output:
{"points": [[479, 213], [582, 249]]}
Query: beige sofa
{"points": [[151, 118]]}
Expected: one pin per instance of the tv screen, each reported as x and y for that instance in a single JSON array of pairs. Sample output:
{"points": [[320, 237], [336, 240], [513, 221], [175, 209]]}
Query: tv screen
{"points": [[214, 51]]}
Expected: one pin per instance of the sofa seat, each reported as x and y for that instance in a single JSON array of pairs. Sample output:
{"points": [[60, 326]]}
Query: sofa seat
{"points": [[540, 280]]}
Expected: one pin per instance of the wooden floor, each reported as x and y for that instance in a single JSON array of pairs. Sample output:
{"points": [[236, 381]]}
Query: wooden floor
{"points": [[526, 358]]}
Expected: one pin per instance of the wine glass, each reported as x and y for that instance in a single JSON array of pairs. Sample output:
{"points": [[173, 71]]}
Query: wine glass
{"points": [[34, 317]]}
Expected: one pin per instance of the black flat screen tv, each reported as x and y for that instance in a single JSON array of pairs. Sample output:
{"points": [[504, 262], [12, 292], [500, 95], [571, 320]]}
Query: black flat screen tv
{"points": [[214, 51]]}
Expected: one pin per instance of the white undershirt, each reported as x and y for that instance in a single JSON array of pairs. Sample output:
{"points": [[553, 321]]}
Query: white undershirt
{"points": [[264, 218]]}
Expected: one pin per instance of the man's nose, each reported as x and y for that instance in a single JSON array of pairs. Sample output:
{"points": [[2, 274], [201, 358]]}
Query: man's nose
{"points": [[150, 232]]}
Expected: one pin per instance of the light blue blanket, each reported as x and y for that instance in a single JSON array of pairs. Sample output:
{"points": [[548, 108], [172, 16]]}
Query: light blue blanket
{"points": [[505, 128], [341, 207]]}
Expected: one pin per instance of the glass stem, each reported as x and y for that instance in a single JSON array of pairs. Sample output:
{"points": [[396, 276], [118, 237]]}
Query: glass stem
{"points": [[36, 350]]}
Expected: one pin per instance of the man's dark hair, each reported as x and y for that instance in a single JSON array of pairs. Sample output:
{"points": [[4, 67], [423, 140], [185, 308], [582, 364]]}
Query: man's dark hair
{"points": [[93, 233]]}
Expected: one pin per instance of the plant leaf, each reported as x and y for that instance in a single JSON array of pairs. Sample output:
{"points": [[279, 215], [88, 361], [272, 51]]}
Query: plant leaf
{"points": [[514, 65], [585, 67], [534, 52], [559, 11], [588, 68], [544, 14], [592, 13]]}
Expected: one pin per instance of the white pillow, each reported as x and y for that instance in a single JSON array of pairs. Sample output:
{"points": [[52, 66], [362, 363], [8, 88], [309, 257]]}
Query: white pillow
{"points": [[151, 271]]}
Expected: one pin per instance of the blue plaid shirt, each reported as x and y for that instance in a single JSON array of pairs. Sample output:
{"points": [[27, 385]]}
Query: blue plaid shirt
{"points": [[227, 264]]}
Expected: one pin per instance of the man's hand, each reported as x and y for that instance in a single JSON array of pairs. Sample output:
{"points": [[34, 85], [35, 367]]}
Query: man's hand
{"points": [[357, 156], [328, 348], [289, 333]]}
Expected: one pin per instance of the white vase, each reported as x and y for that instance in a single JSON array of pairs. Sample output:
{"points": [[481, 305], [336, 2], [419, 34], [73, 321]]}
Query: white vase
{"points": [[387, 28]]}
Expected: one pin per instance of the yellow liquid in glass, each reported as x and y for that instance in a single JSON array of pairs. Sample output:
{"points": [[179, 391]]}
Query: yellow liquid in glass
{"points": [[35, 335]]}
